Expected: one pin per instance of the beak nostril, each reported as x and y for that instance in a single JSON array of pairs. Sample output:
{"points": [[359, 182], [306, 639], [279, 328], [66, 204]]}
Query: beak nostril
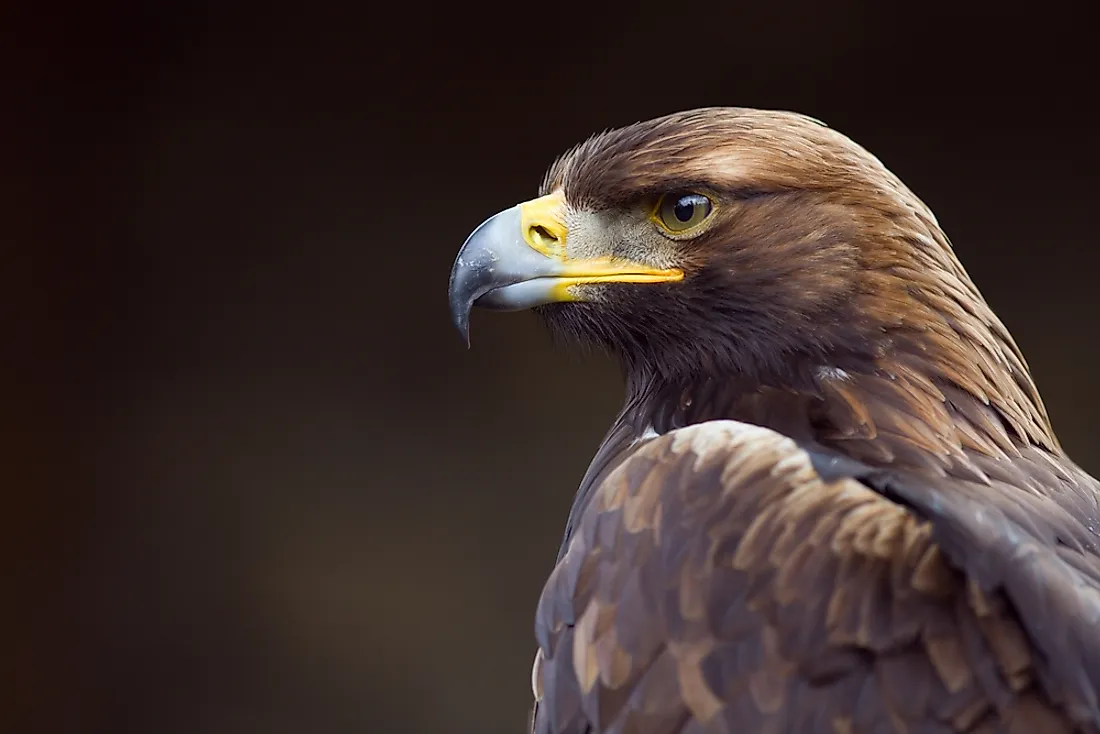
{"points": [[542, 236]]}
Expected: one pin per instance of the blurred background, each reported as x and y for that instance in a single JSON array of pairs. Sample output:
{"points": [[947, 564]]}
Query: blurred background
{"points": [[254, 481]]}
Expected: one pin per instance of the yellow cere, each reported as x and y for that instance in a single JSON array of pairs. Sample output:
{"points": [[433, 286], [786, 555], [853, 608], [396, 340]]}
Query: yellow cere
{"points": [[544, 230], [543, 223]]}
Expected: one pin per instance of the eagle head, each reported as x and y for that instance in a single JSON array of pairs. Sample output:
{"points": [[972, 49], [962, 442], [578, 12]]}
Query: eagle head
{"points": [[728, 241]]}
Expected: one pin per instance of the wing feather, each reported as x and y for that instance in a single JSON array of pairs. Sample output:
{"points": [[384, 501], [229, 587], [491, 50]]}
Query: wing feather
{"points": [[723, 578]]}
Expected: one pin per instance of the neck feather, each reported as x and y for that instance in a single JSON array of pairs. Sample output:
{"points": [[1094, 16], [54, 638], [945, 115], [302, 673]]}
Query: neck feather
{"points": [[950, 384]]}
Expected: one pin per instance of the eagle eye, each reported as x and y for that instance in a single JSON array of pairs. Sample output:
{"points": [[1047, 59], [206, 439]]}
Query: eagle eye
{"points": [[680, 212]]}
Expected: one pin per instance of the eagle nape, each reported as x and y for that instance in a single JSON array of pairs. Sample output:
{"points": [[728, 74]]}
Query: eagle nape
{"points": [[518, 259]]}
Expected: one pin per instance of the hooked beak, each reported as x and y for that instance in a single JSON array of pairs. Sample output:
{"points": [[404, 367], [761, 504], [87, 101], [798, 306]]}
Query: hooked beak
{"points": [[517, 259]]}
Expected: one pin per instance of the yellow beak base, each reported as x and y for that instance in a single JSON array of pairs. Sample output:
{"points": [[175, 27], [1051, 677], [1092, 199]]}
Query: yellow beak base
{"points": [[518, 259]]}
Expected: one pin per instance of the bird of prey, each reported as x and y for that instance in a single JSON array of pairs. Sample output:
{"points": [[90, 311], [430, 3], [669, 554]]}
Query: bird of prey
{"points": [[833, 500]]}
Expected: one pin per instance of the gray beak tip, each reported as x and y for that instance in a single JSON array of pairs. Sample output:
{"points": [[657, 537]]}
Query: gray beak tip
{"points": [[461, 300], [462, 323], [496, 269]]}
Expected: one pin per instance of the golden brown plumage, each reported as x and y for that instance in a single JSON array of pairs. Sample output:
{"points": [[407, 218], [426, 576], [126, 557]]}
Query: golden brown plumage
{"points": [[833, 501], [717, 583]]}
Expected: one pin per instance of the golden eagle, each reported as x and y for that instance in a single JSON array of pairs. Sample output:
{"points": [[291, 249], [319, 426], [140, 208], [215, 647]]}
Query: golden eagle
{"points": [[833, 501]]}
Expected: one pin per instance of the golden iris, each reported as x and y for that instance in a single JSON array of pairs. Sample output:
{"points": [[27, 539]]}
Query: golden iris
{"points": [[681, 212]]}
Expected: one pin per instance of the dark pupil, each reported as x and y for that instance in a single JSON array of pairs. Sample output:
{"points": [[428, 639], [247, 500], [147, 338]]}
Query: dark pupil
{"points": [[684, 209]]}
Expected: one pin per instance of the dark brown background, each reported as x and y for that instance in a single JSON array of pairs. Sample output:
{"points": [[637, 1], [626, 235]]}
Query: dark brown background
{"points": [[258, 485]]}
